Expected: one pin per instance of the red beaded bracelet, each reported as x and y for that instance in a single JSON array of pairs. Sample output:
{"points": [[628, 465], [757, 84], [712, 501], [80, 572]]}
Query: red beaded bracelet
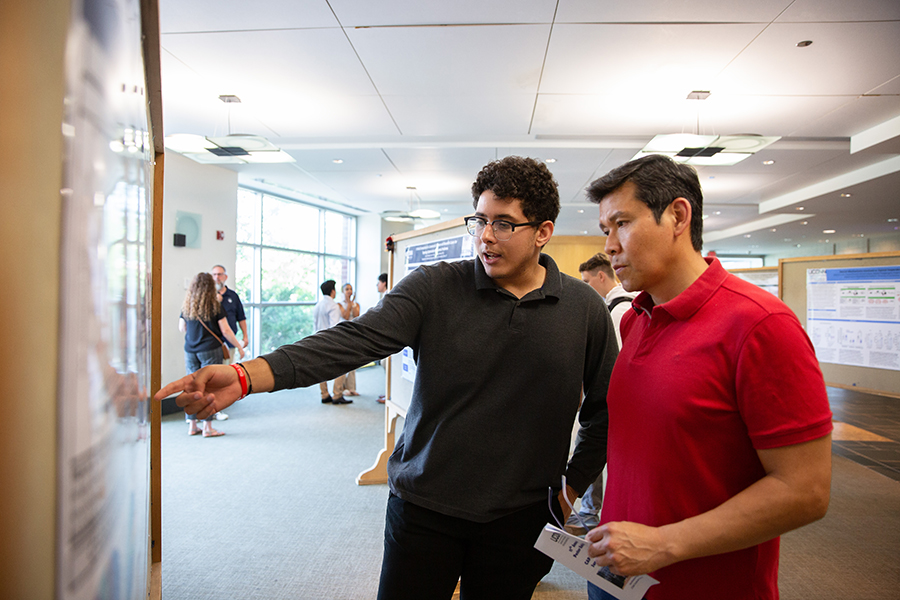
{"points": [[242, 377]]}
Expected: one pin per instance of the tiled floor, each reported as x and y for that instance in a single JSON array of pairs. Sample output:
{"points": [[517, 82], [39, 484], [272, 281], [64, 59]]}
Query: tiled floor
{"points": [[873, 436]]}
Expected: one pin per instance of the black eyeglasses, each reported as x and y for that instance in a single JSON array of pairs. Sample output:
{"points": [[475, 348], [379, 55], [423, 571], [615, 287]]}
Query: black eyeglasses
{"points": [[503, 230]]}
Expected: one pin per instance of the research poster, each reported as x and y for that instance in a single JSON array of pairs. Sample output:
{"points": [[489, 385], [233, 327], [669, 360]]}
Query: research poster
{"points": [[450, 249], [853, 316], [104, 352]]}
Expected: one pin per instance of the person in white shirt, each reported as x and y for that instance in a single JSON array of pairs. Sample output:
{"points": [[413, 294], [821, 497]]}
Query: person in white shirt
{"points": [[349, 311], [327, 314], [597, 272]]}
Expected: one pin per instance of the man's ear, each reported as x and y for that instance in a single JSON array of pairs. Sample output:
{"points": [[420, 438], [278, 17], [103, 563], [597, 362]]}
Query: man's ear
{"points": [[544, 233], [681, 216]]}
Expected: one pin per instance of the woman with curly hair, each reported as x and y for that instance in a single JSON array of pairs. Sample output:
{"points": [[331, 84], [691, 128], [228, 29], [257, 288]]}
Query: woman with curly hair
{"points": [[204, 324]]}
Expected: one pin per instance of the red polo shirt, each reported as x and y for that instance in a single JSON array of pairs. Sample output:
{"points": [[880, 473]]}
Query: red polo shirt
{"points": [[701, 383]]}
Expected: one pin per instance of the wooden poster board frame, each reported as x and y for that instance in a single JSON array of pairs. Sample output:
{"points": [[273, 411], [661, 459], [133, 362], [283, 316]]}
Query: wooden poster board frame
{"points": [[398, 390]]}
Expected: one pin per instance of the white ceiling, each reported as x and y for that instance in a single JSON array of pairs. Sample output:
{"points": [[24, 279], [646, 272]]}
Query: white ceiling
{"points": [[424, 93]]}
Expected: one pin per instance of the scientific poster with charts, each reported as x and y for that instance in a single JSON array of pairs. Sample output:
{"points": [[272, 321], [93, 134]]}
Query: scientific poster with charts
{"points": [[450, 249], [853, 315], [104, 353]]}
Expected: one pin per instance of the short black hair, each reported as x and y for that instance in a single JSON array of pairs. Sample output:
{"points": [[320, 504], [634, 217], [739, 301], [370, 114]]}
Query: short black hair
{"points": [[327, 286], [598, 262], [519, 178], [658, 181], [383, 278]]}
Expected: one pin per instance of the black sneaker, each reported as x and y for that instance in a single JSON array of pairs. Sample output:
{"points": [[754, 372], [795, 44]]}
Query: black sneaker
{"points": [[327, 400], [341, 401]]}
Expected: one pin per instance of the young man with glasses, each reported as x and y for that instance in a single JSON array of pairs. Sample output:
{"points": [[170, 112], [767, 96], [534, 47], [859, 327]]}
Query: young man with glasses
{"points": [[504, 345]]}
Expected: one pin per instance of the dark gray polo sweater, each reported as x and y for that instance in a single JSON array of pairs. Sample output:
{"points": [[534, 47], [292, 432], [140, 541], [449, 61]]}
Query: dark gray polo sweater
{"points": [[497, 389]]}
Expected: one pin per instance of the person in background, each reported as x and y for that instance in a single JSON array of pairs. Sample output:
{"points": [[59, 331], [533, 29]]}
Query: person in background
{"points": [[349, 310], [720, 427], [204, 326], [597, 273], [327, 314], [234, 312], [381, 286], [504, 345]]}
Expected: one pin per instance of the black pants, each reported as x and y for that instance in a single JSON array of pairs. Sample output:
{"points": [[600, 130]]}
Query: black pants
{"points": [[426, 553]]}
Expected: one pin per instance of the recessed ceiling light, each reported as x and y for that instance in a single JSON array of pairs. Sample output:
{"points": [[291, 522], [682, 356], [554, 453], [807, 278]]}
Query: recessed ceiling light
{"points": [[550, 160], [337, 161], [584, 233], [705, 217], [804, 44], [828, 231], [768, 162], [746, 235], [892, 220], [718, 212], [846, 195], [773, 229], [804, 222], [800, 208], [580, 211]]}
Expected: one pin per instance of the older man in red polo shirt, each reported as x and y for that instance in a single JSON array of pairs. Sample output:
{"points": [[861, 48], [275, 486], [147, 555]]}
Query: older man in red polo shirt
{"points": [[720, 428]]}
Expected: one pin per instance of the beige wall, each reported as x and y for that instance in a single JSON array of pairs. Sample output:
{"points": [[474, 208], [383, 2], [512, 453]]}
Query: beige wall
{"points": [[570, 251], [32, 40]]}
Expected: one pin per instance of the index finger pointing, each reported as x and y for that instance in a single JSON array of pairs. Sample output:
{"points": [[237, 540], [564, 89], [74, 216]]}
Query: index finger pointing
{"points": [[172, 388]]}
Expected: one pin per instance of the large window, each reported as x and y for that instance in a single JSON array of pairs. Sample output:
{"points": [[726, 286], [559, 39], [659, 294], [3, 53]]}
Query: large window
{"points": [[285, 250]]}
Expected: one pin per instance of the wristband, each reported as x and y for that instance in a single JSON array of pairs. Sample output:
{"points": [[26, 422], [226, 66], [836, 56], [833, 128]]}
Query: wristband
{"points": [[249, 381], [242, 377]]}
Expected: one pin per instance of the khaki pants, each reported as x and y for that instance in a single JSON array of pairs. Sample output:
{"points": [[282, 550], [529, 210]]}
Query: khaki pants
{"points": [[338, 388]]}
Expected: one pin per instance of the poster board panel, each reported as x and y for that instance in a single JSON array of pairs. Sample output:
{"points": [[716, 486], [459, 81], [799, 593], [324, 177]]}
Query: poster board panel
{"points": [[444, 241], [793, 274], [447, 241]]}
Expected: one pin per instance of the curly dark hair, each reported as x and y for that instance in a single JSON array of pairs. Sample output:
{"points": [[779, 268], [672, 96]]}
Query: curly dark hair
{"points": [[524, 179], [657, 180], [201, 302]]}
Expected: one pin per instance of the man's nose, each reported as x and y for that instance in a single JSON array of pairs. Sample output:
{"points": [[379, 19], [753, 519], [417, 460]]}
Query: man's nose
{"points": [[612, 244], [484, 233]]}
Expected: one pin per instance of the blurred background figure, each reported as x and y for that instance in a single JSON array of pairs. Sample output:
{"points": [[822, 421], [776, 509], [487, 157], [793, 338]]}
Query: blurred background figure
{"points": [[326, 314], [234, 311], [204, 325], [349, 311]]}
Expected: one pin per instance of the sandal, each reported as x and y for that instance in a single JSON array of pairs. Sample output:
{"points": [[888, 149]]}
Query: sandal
{"points": [[212, 433]]}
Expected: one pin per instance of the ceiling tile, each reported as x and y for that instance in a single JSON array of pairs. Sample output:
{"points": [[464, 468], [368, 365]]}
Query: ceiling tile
{"points": [[354, 13], [452, 60], [237, 15]]}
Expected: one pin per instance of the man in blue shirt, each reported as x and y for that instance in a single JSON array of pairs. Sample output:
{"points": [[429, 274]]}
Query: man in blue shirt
{"points": [[234, 312]]}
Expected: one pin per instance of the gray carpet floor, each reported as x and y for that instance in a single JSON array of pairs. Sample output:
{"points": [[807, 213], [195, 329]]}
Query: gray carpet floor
{"points": [[271, 511]]}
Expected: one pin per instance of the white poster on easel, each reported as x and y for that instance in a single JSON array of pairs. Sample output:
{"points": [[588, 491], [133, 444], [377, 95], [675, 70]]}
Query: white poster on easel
{"points": [[450, 249], [853, 315]]}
